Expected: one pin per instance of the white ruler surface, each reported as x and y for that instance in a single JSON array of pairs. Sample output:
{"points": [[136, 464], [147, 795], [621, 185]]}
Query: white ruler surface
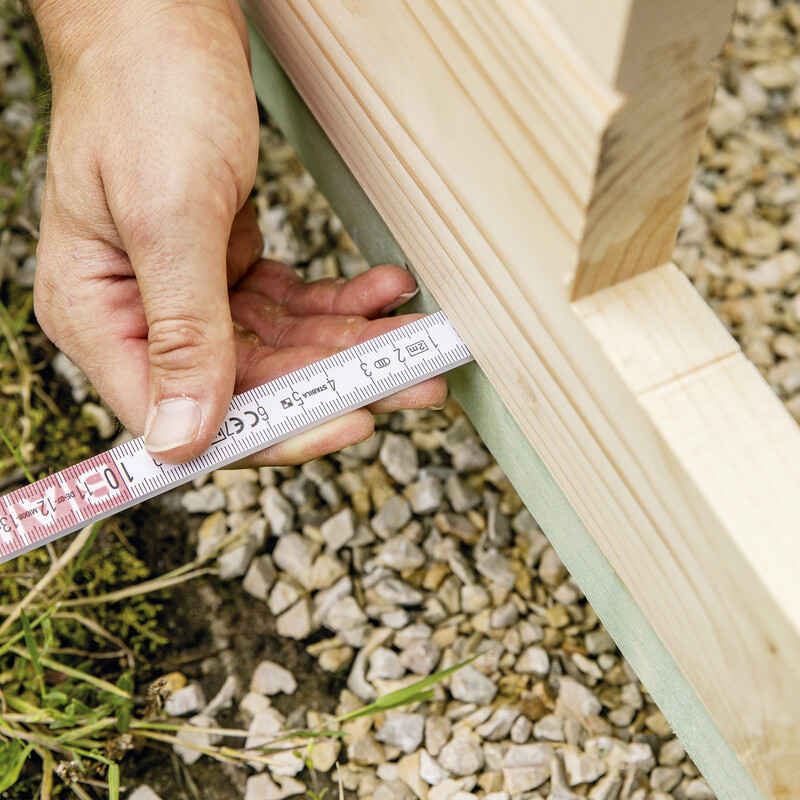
{"points": [[125, 475]]}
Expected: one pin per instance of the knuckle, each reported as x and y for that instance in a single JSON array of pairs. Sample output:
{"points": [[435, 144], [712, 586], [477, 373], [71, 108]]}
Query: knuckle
{"points": [[184, 345]]}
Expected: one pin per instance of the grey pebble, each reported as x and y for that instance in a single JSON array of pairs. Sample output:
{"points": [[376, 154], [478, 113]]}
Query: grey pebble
{"points": [[402, 730], [399, 458], [471, 686], [462, 756]]}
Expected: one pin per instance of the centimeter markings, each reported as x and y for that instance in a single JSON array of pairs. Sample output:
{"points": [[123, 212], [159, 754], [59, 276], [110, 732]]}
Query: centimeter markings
{"points": [[125, 475]]}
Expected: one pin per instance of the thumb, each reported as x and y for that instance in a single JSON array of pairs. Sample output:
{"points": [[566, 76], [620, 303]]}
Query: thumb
{"points": [[180, 266]]}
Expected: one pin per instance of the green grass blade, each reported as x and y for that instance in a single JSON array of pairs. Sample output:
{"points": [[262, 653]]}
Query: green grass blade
{"points": [[419, 691], [33, 650], [113, 782]]}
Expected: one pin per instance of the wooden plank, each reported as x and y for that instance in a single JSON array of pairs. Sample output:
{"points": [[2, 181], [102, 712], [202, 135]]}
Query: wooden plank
{"points": [[620, 612], [453, 189]]}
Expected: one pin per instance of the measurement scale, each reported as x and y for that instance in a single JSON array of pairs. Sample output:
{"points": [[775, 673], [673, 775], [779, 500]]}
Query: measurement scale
{"points": [[125, 475]]}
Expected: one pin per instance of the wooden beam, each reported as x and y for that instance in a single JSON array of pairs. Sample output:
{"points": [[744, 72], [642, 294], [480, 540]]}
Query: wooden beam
{"points": [[605, 390]]}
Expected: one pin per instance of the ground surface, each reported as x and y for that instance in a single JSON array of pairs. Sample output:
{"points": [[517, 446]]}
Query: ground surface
{"points": [[435, 521]]}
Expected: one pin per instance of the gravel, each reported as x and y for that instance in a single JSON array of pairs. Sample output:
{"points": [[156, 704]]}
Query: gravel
{"points": [[410, 553]]}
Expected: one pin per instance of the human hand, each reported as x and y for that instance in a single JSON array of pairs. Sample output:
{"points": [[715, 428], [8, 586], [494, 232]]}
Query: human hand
{"points": [[152, 154]]}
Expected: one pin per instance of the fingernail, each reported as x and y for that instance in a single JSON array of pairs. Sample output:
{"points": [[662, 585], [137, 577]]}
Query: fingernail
{"points": [[172, 423], [399, 300]]}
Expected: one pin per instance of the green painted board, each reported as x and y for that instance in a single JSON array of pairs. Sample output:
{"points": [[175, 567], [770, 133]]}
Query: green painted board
{"points": [[602, 586]]}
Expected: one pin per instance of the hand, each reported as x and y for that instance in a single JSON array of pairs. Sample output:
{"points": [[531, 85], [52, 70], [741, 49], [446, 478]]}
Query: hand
{"points": [[152, 154]]}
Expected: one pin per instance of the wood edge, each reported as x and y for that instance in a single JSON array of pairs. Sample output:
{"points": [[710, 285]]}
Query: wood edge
{"points": [[538, 489]]}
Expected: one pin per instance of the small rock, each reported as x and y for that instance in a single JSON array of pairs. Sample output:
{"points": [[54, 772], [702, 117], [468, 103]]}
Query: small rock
{"points": [[599, 641], [189, 742], [469, 456], [399, 592], [698, 789], [300, 491], [143, 792], [504, 616], [402, 730], [551, 569], [278, 510], [549, 727], [462, 497], [437, 733], [533, 661], [385, 664], [296, 622], [282, 596], [498, 726], [471, 686], [294, 554], [474, 598], [581, 767], [204, 500], [425, 495], [265, 726], [607, 788], [399, 458], [335, 659], [260, 577], [185, 701], [521, 730], [339, 529], [392, 790], [345, 615], [671, 753], [234, 560], [270, 678], [665, 779], [400, 554], [429, 770], [253, 703], [462, 756], [575, 700], [420, 657], [496, 567], [326, 570], [210, 534], [394, 515], [448, 789]]}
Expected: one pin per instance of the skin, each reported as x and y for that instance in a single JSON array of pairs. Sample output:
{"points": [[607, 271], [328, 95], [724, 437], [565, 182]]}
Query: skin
{"points": [[148, 271]]}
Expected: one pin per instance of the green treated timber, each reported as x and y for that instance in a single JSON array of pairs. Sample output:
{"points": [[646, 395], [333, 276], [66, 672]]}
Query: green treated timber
{"points": [[615, 606]]}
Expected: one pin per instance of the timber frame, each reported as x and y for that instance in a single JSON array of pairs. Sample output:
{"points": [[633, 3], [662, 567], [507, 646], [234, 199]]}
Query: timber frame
{"points": [[532, 173]]}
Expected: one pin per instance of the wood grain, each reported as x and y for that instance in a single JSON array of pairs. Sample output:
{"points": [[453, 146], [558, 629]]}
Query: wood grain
{"points": [[407, 104]]}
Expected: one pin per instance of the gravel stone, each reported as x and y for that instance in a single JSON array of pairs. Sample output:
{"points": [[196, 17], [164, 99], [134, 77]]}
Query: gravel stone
{"points": [[339, 529], [205, 500], [296, 621], [498, 726], [394, 515], [469, 456], [551, 569], [474, 598], [402, 730], [471, 686], [462, 756], [429, 769], [521, 730], [385, 663], [400, 554], [283, 595], [399, 458], [496, 567], [461, 496], [425, 495], [420, 657], [278, 510], [437, 733], [396, 591], [143, 792], [575, 700], [598, 642], [665, 779], [533, 661], [294, 555], [580, 767], [345, 615], [270, 678], [186, 700], [671, 753]]}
